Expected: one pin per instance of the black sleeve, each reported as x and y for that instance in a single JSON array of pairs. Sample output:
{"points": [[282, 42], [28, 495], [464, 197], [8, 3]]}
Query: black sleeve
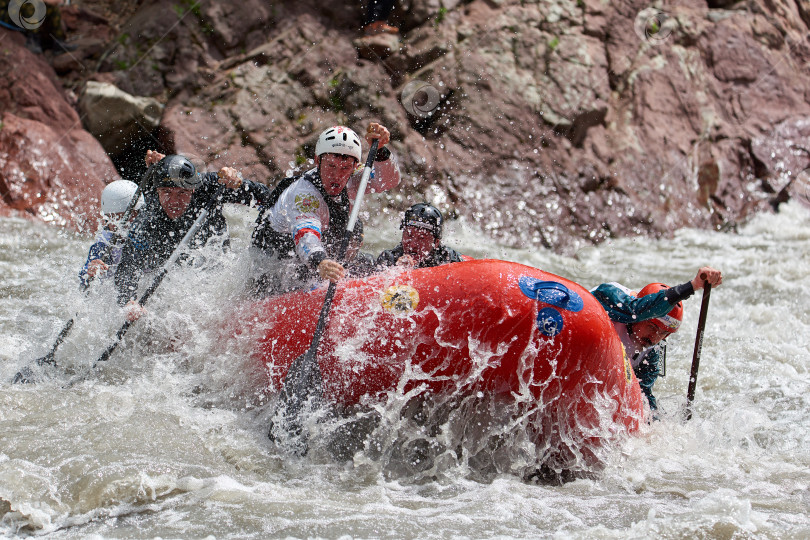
{"points": [[382, 154], [679, 292], [363, 265], [127, 274], [388, 257], [316, 258], [249, 193], [453, 255]]}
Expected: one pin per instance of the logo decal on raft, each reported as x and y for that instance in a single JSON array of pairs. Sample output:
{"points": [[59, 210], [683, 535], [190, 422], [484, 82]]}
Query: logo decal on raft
{"points": [[400, 299], [549, 322]]}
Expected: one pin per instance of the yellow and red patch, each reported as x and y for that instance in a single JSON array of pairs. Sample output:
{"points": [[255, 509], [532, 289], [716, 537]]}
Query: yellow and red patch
{"points": [[307, 203], [400, 299]]}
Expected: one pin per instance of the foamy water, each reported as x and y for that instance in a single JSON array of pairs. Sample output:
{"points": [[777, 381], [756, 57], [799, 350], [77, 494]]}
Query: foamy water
{"points": [[169, 438]]}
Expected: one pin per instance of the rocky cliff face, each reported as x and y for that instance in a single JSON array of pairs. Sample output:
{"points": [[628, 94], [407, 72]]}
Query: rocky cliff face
{"points": [[50, 168], [547, 123]]}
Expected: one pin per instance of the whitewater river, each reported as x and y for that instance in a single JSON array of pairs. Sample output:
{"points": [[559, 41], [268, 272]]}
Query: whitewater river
{"points": [[169, 438]]}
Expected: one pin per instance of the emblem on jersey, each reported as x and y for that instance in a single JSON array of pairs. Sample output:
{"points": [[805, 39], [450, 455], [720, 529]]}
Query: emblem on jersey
{"points": [[307, 203], [400, 299]]}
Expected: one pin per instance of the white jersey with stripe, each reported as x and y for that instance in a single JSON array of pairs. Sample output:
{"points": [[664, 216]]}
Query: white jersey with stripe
{"points": [[302, 211]]}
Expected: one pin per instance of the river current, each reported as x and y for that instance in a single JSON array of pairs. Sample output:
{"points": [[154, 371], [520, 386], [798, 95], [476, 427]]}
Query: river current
{"points": [[169, 440]]}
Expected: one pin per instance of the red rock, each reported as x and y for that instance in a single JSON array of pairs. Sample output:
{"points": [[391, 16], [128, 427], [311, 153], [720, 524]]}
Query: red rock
{"points": [[784, 152], [50, 168], [52, 175], [208, 140]]}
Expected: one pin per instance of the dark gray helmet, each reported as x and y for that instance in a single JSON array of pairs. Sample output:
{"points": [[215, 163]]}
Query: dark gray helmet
{"points": [[175, 171], [424, 216]]}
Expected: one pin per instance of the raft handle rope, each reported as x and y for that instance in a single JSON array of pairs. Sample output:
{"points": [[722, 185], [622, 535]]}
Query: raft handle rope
{"points": [[552, 293]]}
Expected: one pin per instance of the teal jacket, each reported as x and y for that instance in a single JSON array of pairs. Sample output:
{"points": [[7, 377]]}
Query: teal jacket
{"points": [[627, 309]]}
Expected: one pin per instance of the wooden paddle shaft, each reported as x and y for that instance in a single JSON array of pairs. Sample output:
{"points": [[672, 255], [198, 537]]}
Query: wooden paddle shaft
{"points": [[704, 308]]}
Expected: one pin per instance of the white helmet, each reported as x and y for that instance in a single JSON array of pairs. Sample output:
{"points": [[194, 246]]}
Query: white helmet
{"points": [[117, 195], [339, 140]]}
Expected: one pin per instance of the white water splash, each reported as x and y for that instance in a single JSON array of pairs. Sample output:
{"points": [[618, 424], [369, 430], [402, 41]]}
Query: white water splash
{"points": [[170, 438]]}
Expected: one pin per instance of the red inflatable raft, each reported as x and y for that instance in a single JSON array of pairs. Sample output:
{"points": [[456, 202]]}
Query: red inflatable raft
{"points": [[537, 345]]}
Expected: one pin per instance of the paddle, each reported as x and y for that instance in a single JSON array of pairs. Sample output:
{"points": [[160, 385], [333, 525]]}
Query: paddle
{"points": [[159, 278], [704, 308], [26, 374], [303, 381]]}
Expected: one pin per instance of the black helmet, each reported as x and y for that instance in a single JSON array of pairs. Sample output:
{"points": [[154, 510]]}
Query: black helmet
{"points": [[175, 171], [424, 216]]}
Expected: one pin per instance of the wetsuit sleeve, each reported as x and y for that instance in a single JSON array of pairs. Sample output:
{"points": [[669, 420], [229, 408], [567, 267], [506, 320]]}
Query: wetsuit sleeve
{"points": [[362, 265], [452, 255], [627, 309], [439, 256], [316, 259], [249, 193], [647, 373], [128, 273], [679, 292], [388, 257]]}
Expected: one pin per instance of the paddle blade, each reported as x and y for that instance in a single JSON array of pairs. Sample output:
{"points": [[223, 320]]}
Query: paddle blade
{"points": [[25, 376], [28, 375], [302, 388]]}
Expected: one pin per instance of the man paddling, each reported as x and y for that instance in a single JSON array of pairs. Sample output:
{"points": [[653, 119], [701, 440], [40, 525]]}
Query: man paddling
{"points": [[177, 195], [645, 319], [105, 253], [421, 245], [307, 216]]}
